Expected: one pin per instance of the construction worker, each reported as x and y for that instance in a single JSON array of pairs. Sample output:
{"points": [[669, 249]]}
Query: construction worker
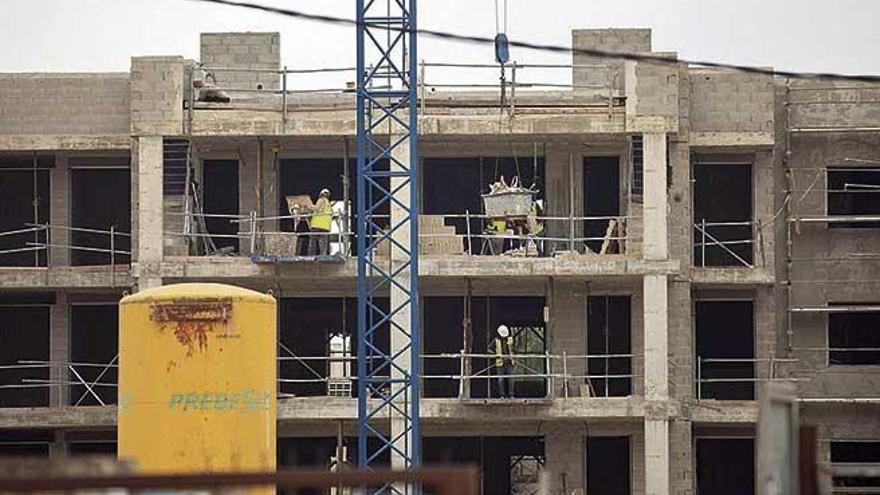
{"points": [[504, 361], [536, 227], [322, 218], [497, 227]]}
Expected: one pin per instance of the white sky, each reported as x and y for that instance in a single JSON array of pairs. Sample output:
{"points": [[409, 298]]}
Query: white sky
{"points": [[101, 35]]}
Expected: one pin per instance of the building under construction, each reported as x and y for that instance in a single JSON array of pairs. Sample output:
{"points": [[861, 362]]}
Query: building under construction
{"points": [[694, 235]]}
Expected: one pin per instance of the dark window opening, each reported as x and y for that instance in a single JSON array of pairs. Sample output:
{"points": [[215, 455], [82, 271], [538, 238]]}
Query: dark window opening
{"points": [[24, 189], [725, 349], [454, 186], [15, 444], [92, 449], [725, 466], [855, 453], [312, 328], [443, 334], [608, 466], [853, 338], [220, 193], [723, 214], [507, 464], [608, 334], [24, 336], [601, 199], [524, 316], [853, 192], [100, 200], [93, 353], [307, 453]]}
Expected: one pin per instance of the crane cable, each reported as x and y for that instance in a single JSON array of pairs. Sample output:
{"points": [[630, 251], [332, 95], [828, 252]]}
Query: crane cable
{"points": [[593, 52]]}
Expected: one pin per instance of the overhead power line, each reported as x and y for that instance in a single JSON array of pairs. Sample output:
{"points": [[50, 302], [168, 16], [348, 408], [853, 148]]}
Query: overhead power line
{"points": [[468, 38]]}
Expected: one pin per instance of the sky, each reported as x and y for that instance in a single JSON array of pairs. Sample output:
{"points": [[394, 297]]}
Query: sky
{"points": [[102, 35]]}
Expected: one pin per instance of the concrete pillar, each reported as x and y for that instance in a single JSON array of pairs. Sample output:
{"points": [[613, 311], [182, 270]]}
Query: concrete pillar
{"points": [[656, 457], [150, 214], [59, 211], [58, 447], [568, 332], [656, 246], [402, 319], [681, 458], [655, 295], [247, 197], [59, 350], [765, 339], [564, 456]]}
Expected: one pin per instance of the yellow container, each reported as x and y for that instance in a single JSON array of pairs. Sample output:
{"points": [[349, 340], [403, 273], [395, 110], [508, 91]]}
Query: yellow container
{"points": [[197, 375]]}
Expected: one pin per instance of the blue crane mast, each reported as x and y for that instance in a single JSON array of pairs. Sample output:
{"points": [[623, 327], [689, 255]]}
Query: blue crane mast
{"points": [[387, 170]]}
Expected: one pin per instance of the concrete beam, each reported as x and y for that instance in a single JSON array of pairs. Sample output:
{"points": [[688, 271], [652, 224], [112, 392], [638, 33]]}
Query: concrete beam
{"points": [[192, 267], [732, 276], [45, 142], [731, 139], [232, 122], [81, 277]]}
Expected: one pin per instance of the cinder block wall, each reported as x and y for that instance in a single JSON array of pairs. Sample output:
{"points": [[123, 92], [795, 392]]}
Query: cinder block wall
{"points": [[825, 270], [72, 104], [242, 51], [156, 96], [657, 90], [725, 101], [610, 40]]}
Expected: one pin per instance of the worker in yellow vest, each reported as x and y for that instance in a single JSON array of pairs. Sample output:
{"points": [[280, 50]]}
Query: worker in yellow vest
{"points": [[497, 229], [322, 218], [504, 361]]}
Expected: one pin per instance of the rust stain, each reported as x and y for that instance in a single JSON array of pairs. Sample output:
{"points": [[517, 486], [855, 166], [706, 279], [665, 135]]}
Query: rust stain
{"points": [[192, 334], [192, 320]]}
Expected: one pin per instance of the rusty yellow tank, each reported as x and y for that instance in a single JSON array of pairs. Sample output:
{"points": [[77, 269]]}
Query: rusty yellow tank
{"points": [[197, 376]]}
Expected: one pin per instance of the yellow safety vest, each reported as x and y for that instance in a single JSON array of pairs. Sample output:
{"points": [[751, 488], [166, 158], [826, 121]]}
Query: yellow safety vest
{"points": [[500, 352], [323, 215], [498, 225]]}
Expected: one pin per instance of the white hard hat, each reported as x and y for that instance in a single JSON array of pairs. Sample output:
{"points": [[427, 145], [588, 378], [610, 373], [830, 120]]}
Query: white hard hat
{"points": [[503, 331], [325, 192]]}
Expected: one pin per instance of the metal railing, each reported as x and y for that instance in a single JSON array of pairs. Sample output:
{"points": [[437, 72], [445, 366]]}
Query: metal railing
{"points": [[116, 256], [475, 237], [708, 239], [553, 371], [288, 83], [508, 88], [76, 372], [722, 373]]}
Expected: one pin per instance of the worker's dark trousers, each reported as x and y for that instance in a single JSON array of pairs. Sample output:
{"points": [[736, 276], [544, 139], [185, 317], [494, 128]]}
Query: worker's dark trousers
{"points": [[505, 388], [319, 242]]}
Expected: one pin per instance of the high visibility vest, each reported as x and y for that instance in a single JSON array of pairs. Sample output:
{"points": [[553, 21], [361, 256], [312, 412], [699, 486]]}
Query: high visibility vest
{"points": [[323, 215], [503, 349], [498, 225]]}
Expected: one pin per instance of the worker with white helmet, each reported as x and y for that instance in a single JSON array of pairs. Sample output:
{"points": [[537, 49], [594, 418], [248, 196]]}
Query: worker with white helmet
{"points": [[504, 360], [322, 218]]}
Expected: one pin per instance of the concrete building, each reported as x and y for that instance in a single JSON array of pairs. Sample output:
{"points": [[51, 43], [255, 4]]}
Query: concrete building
{"points": [[706, 232]]}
